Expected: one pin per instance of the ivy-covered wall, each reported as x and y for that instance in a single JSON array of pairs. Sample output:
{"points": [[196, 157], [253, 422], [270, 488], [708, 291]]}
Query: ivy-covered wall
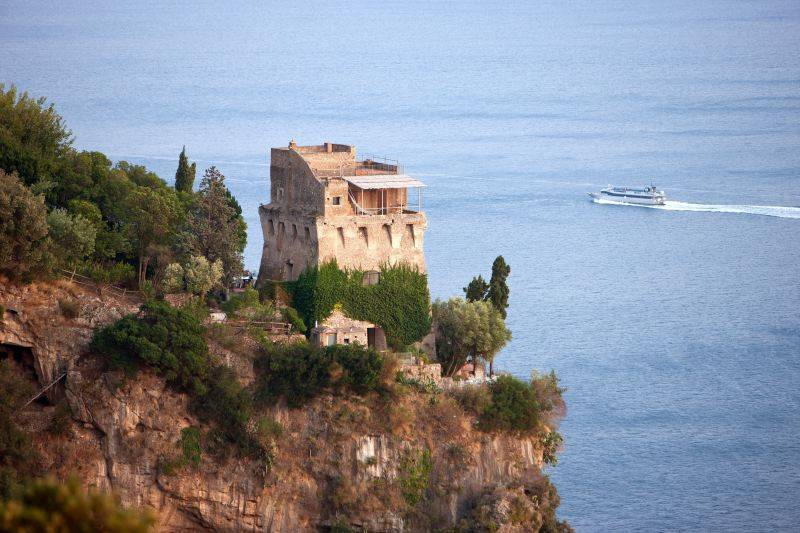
{"points": [[399, 303]]}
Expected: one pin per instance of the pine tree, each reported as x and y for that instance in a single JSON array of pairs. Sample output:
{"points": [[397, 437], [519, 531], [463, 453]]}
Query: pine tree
{"points": [[498, 288], [184, 176], [216, 229], [476, 290]]}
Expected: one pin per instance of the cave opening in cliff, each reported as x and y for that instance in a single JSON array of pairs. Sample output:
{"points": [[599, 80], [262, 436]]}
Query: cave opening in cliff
{"points": [[22, 363]]}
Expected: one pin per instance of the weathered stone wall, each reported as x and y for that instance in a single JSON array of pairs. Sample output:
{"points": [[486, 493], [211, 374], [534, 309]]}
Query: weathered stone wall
{"points": [[366, 242], [290, 243]]}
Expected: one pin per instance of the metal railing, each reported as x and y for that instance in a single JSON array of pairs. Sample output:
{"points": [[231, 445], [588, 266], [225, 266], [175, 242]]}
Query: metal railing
{"points": [[372, 166]]}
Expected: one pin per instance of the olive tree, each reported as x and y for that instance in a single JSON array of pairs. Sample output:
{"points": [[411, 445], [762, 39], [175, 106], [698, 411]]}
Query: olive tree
{"points": [[466, 331]]}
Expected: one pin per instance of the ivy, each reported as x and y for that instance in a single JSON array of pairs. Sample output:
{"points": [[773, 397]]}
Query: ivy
{"points": [[399, 303]]}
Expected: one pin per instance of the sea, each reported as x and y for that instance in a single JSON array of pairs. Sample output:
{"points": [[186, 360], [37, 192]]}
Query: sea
{"points": [[675, 330]]}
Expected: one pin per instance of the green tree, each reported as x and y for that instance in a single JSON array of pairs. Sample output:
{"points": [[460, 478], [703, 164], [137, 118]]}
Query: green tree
{"points": [[215, 228], [202, 275], [24, 239], [173, 278], [47, 505], [33, 137], [498, 287], [467, 331], [477, 289], [72, 236], [151, 218], [184, 176]]}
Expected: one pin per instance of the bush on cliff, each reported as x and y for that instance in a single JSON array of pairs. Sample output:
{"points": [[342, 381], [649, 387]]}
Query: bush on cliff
{"points": [[301, 372], [161, 336], [511, 405], [170, 340]]}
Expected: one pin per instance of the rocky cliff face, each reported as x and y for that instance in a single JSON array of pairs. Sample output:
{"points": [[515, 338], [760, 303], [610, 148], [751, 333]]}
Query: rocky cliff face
{"points": [[412, 462]]}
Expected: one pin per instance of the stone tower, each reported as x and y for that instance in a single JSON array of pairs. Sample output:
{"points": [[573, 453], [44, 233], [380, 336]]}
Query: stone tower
{"points": [[325, 204]]}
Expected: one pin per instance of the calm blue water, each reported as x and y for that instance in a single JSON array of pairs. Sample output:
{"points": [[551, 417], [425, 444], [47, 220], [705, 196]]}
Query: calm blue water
{"points": [[677, 331]]}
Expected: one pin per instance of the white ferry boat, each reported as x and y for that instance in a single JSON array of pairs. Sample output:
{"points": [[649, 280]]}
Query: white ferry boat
{"points": [[647, 196]]}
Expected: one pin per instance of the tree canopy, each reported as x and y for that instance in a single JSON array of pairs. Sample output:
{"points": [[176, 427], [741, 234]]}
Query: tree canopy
{"points": [[24, 241], [467, 331], [215, 228], [105, 219], [477, 289]]}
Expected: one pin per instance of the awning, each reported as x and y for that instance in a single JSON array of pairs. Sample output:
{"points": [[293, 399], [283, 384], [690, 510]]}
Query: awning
{"points": [[384, 181]]}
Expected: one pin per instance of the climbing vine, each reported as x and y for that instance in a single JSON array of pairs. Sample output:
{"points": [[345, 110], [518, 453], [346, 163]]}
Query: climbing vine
{"points": [[399, 303]]}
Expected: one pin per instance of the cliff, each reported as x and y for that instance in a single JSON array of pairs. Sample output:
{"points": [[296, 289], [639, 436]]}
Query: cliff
{"points": [[411, 461]]}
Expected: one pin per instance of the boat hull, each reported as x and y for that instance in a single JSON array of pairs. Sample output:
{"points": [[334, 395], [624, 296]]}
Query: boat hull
{"points": [[625, 199]]}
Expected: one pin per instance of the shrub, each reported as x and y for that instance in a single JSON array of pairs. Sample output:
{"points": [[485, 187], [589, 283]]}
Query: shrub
{"points": [[427, 385], [227, 403], [69, 308], [72, 236], [301, 372], [168, 339], [298, 372], [189, 444], [474, 399], [173, 278], [362, 367], [51, 506], [550, 442], [414, 475], [202, 275], [513, 408], [120, 273], [268, 429]]}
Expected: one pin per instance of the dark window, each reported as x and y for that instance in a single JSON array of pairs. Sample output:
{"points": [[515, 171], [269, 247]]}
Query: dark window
{"points": [[337, 200]]}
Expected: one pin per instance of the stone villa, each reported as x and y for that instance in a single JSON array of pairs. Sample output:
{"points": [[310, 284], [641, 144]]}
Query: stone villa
{"points": [[325, 204]]}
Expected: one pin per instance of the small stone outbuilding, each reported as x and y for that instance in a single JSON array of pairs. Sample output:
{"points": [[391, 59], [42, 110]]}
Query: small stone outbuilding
{"points": [[338, 328]]}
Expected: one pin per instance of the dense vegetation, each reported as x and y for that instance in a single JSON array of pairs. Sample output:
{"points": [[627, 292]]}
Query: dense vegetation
{"points": [[61, 208], [300, 372], [510, 405], [168, 339], [399, 303], [171, 341]]}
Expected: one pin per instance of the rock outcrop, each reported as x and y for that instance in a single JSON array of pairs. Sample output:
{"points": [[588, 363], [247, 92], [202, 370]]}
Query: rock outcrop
{"points": [[409, 462]]}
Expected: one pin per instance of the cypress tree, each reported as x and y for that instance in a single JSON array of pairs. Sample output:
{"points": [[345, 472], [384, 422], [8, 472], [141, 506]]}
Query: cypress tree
{"points": [[498, 288], [476, 290], [184, 176]]}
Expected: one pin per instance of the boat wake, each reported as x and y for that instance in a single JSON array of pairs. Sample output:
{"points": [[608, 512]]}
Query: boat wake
{"points": [[670, 205]]}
